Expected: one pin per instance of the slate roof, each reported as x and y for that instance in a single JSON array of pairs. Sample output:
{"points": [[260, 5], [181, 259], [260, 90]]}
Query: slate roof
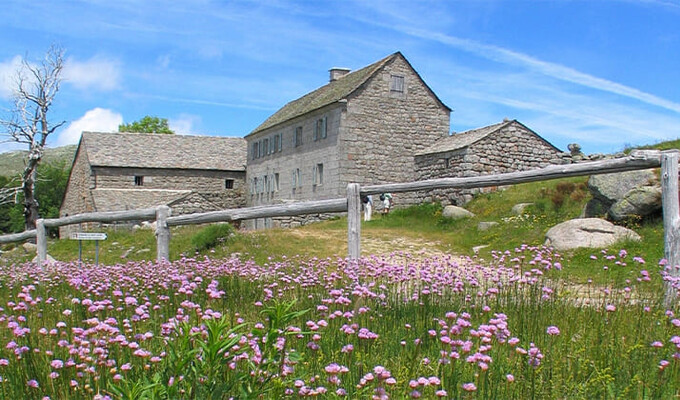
{"points": [[145, 150], [330, 93], [464, 139]]}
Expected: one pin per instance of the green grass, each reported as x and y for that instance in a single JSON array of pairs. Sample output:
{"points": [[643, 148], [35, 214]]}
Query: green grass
{"points": [[552, 202]]}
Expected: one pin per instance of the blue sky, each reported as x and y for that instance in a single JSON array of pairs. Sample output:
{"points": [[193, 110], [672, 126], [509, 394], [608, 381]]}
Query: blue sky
{"points": [[602, 73]]}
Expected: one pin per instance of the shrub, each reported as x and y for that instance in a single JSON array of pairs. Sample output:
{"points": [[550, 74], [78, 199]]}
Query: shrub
{"points": [[210, 236]]}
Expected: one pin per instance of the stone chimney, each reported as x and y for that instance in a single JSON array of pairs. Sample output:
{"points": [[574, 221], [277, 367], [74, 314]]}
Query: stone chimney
{"points": [[337, 73]]}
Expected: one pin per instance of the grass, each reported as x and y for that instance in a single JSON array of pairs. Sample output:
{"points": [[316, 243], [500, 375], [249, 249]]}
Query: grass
{"points": [[552, 202], [389, 327]]}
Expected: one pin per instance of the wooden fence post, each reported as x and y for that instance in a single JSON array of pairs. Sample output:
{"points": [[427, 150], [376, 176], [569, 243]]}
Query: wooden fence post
{"points": [[162, 233], [40, 241], [671, 221], [353, 221]]}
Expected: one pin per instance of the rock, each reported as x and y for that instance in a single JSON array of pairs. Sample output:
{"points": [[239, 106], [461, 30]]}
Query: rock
{"points": [[476, 249], [574, 148], [485, 226], [454, 212], [48, 259], [594, 208], [641, 201], [140, 251], [149, 225], [127, 252], [587, 232], [610, 188], [518, 209], [29, 247]]}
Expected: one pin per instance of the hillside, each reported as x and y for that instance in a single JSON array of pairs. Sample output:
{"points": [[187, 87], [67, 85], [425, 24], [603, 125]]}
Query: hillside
{"points": [[12, 163]]}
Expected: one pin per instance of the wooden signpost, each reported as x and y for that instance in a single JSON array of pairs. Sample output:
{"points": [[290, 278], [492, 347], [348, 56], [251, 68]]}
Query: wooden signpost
{"points": [[80, 236]]}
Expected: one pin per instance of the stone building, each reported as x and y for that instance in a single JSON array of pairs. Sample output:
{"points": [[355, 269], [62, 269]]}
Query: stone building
{"points": [[363, 126], [127, 171], [507, 146]]}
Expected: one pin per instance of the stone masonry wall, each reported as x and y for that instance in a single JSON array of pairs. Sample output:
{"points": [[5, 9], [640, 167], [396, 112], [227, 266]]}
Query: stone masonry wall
{"points": [[513, 148], [77, 198], [383, 129], [200, 180]]}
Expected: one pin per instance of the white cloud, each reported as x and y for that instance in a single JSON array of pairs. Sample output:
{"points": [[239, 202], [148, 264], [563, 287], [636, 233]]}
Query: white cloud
{"points": [[184, 124], [98, 73], [8, 72], [95, 120]]}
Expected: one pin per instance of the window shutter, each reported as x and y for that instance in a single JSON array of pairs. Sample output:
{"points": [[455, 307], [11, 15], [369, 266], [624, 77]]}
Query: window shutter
{"points": [[324, 127], [314, 170]]}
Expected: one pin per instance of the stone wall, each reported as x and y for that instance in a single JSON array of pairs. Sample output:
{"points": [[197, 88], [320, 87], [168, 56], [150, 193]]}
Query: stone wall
{"points": [[512, 148], [383, 129], [166, 178], [77, 198], [114, 189], [308, 171]]}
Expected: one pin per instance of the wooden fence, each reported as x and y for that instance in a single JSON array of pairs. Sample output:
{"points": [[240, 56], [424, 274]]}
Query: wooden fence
{"points": [[641, 159]]}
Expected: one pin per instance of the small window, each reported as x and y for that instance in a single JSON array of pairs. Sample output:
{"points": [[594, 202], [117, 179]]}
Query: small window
{"points": [[228, 183], [296, 181], [447, 163], [256, 150], [318, 175], [397, 83], [139, 181], [276, 143], [320, 129], [298, 136], [276, 182], [265, 147]]}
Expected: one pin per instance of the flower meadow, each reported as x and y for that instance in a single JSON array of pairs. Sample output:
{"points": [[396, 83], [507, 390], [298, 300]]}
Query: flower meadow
{"points": [[397, 326]]}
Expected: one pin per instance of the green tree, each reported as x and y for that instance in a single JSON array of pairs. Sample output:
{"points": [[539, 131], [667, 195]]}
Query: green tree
{"points": [[147, 124], [50, 187]]}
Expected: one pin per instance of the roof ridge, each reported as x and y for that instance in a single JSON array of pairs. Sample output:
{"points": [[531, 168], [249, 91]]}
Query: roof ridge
{"points": [[327, 94]]}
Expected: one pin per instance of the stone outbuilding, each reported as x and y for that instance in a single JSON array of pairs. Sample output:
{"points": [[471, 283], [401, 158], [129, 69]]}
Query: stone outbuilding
{"points": [[507, 146], [363, 126], [127, 171]]}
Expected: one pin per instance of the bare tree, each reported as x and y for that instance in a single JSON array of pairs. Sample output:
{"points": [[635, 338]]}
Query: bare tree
{"points": [[36, 87]]}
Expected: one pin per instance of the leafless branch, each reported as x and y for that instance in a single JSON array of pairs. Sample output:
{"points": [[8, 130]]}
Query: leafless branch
{"points": [[28, 123]]}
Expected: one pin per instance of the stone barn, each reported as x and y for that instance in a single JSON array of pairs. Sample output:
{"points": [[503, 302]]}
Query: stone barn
{"points": [[127, 171], [507, 146], [363, 126]]}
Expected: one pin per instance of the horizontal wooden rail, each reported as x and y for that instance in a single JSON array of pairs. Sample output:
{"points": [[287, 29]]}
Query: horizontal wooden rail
{"points": [[109, 216], [18, 237], [640, 159], [279, 210]]}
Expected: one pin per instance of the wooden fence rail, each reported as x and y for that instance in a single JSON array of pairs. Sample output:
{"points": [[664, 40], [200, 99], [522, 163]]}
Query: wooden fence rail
{"points": [[641, 159]]}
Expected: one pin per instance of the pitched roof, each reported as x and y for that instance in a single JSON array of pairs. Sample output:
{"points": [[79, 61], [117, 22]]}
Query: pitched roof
{"points": [[144, 150], [330, 93], [464, 139]]}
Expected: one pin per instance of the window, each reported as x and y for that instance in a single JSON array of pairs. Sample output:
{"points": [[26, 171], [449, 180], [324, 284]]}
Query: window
{"points": [[265, 147], [276, 143], [297, 182], [139, 181], [228, 183], [320, 129], [447, 163], [254, 187], [256, 150], [298, 136], [397, 83], [317, 175], [276, 182]]}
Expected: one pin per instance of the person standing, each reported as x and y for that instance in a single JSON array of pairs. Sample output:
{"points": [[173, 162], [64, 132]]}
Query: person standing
{"points": [[387, 202], [367, 202]]}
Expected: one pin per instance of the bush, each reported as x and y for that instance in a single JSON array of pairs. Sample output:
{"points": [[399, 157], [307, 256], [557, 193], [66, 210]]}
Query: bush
{"points": [[210, 236]]}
